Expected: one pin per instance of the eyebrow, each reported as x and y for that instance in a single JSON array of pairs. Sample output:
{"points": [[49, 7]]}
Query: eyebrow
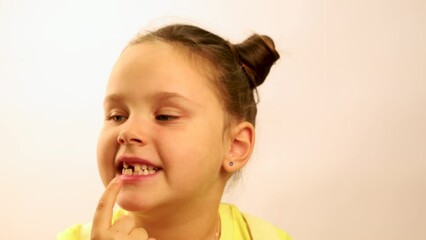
{"points": [[155, 95], [162, 95], [113, 98]]}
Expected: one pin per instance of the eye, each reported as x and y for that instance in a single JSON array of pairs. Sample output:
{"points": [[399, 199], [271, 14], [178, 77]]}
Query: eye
{"points": [[164, 117], [116, 118]]}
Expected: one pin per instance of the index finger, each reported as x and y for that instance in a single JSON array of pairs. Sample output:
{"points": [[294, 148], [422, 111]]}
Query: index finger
{"points": [[103, 215]]}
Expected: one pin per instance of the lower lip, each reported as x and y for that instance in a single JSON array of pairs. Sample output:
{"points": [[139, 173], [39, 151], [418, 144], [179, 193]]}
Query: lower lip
{"points": [[136, 178]]}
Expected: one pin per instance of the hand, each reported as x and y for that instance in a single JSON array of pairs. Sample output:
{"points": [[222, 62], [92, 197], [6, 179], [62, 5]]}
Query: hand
{"points": [[123, 228]]}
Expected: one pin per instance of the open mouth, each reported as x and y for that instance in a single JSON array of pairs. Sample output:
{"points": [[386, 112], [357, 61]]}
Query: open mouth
{"points": [[130, 169]]}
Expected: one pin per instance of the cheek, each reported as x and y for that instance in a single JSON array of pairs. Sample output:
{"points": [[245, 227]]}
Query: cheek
{"points": [[105, 156], [193, 152]]}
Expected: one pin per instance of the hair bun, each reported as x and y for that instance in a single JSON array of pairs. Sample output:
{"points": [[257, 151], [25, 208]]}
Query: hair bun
{"points": [[257, 54]]}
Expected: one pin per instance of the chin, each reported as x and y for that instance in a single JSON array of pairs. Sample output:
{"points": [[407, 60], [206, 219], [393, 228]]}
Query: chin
{"points": [[134, 203]]}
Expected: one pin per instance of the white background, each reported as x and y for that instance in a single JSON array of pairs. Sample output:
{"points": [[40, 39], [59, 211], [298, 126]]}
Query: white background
{"points": [[341, 151]]}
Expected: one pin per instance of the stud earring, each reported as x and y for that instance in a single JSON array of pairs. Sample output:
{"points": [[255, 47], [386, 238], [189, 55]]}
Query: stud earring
{"points": [[231, 164]]}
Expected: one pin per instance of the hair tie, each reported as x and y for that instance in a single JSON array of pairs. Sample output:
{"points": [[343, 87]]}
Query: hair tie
{"points": [[248, 72]]}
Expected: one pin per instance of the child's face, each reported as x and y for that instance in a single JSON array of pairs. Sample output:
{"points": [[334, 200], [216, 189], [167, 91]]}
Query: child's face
{"points": [[159, 108]]}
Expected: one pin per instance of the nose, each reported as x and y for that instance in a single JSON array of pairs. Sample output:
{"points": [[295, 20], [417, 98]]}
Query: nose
{"points": [[128, 136]]}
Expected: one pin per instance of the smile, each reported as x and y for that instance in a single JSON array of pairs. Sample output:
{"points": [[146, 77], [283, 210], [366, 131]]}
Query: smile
{"points": [[130, 169]]}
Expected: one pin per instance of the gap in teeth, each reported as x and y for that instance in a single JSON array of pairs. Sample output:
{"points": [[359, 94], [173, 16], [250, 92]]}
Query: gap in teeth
{"points": [[138, 169]]}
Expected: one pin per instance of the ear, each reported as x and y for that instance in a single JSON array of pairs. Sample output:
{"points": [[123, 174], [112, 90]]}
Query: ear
{"points": [[240, 147]]}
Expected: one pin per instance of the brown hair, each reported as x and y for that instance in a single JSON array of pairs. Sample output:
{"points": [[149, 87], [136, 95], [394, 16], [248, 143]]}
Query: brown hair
{"points": [[238, 68]]}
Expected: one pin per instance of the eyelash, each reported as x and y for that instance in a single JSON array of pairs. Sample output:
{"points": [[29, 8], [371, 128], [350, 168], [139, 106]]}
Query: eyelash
{"points": [[114, 117], [159, 117], [165, 117]]}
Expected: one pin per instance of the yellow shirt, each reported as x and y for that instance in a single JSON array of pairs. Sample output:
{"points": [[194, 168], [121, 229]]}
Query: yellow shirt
{"points": [[235, 226]]}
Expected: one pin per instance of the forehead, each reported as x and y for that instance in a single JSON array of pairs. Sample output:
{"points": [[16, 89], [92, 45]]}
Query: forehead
{"points": [[151, 58], [156, 66]]}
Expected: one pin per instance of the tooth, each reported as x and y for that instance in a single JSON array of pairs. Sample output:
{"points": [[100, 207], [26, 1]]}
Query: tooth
{"points": [[137, 171], [125, 165], [150, 167], [137, 167], [144, 166], [123, 171], [128, 171], [151, 171]]}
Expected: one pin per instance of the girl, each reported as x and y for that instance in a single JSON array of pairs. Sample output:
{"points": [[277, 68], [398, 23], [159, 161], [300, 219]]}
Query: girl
{"points": [[179, 122]]}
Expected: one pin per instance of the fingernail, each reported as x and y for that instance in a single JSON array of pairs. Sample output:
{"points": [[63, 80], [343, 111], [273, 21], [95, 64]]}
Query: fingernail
{"points": [[115, 180]]}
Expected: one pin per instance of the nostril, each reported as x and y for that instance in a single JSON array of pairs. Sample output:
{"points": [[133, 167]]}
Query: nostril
{"points": [[121, 141], [136, 140]]}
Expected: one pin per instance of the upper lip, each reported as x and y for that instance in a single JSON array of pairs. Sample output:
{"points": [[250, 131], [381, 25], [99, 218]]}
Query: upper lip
{"points": [[133, 159]]}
